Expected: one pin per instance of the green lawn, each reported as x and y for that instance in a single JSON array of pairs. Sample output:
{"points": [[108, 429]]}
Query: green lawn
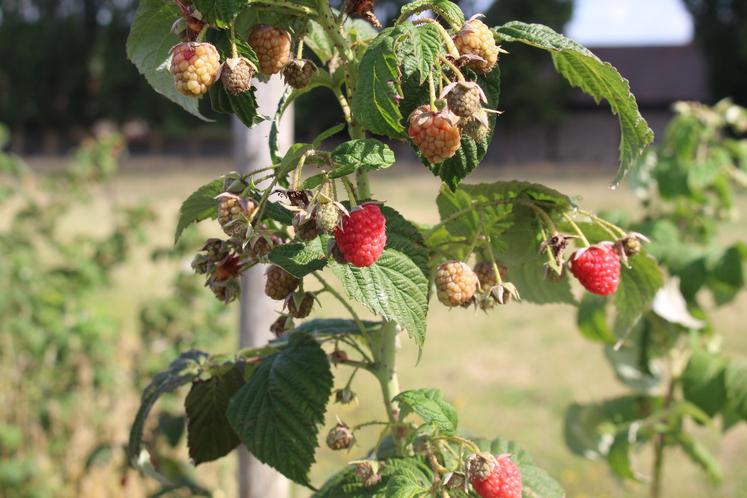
{"points": [[509, 373]]}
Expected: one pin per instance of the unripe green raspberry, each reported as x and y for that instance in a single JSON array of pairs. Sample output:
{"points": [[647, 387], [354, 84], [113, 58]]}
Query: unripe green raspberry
{"points": [[236, 75], [327, 217], [279, 284], [456, 283], [298, 72], [272, 46], [475, 38]]}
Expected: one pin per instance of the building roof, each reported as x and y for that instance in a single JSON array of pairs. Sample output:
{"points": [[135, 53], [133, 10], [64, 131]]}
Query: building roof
{"points": [[658, 75]]}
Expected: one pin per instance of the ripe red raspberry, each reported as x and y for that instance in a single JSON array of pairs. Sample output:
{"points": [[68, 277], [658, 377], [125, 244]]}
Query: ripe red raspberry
{"points": [[597, 268], [456, 283], [493, 477], [237, 74], [435, 134], [272, 46], [279, 283], [195, 67], [363, 235], [298, 72], [476, 39], [464, 98]]}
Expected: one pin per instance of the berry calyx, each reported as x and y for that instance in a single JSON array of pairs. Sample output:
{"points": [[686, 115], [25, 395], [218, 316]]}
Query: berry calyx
{"points": [[279, 284], [475, 39], [237, 74], [597, 267], [195, 67], [362, 237], [435, 134], [456, 283], [494, 477], [298, 72], [272, 46]]}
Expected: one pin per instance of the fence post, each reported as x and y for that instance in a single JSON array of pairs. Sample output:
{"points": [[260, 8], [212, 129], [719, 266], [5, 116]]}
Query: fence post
{"points": [[251, 151]]}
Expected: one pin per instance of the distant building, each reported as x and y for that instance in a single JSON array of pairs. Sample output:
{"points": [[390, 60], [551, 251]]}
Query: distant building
{"points": [[658, 76]]}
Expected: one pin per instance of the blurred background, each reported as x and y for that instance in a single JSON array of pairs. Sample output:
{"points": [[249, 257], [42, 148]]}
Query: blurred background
{"points": [[94, 299]]}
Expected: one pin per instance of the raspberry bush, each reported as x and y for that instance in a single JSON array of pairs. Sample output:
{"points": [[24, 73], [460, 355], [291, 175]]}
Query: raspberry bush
{"points": [[433, 81]]}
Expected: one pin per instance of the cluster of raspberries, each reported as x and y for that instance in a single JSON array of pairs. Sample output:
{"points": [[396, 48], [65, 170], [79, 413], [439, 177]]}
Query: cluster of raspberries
{"points": [[196, 66]]}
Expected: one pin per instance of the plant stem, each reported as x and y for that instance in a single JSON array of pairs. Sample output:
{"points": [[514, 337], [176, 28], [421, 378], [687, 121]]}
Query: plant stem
{"points": [[384, 349], [659, 443], [577, 230], [454, 69]]}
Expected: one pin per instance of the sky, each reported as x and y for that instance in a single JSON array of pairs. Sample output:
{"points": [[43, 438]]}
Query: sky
{"points": [[630, 22]]}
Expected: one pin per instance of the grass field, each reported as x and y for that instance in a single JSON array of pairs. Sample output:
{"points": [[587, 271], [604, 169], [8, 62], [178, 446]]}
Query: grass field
{"points": [[510, 373]]}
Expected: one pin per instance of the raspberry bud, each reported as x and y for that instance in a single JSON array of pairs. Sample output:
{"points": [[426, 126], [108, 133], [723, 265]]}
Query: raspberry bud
{"points": [[456, 283], [195, 67], [300, 306], [597, 268], [279, 283], [362, 237], [340, 437], [234, 214], [476, 39], [298, 72], [272, 46], [435, 134], [237, 74], [344, 396]]}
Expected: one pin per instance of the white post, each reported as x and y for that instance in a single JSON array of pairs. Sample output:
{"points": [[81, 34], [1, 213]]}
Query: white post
{"points": [[251, 151]]}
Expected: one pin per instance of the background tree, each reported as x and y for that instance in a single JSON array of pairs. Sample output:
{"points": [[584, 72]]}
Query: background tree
{"points": [[721, 30]]}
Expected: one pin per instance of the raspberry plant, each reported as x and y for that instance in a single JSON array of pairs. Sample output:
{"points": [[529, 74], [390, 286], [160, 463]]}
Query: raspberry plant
{"points": [[432, 80], [672, 359]]}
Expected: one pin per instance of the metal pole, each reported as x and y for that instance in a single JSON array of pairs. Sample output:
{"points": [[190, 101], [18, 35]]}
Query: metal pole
{"points": [[251, 151]]}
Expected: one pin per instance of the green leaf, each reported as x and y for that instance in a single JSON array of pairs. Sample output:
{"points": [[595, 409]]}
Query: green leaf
{"points": [[394, 287], [209, 435], [353, 155], [633, 359], [219, 13], [725, 276], [148, 47], [409, 483], [299, 259], [601, 80], [736, 387], [704, 381], [277, 414], [418, 49], [536, 482], [590, 430], [618, 456], [345, 484], [378, 88], [327, 327], [700, 455], [319, 43], [182, 371], [430, 405], [200, 205], [405, 237], [592, 319], [443, 8], [638, 286]]}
